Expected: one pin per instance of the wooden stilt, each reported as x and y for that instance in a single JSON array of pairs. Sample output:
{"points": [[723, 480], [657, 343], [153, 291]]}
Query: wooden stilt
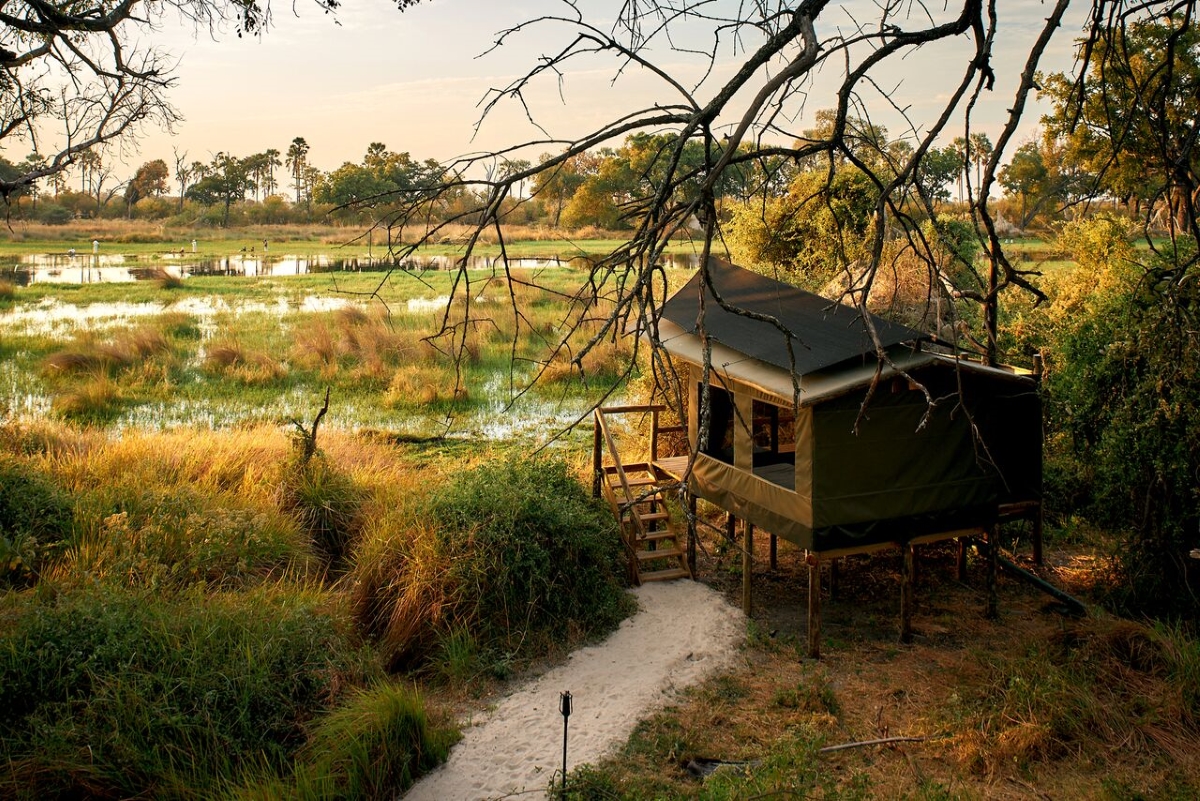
{"points": [[906, 592], [731, 526], [960, 560], [833, 578], [814, 606], [774, 552], [748, 568], [691, 533], [993, 598], [1037, 536]]}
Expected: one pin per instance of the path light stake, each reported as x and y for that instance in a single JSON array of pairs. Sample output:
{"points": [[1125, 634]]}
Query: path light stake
{"points": [[564, 706]]}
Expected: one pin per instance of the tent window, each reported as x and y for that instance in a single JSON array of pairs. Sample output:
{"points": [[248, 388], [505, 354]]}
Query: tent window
{"points": [[775, 444], [720, 422]]}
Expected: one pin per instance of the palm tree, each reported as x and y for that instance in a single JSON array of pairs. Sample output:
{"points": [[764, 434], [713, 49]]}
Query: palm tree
{"points": [[297, 159], [981, 151], [272, 161]]}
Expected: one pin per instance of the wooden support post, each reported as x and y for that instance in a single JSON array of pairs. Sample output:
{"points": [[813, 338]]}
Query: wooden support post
{"points": [[906, 592], [691, 533], [960, 558], [1037, 535], [993, 598], [833, 578], [597, 455], [731, 526], [814, 606], [748, 568], [774, 552]]}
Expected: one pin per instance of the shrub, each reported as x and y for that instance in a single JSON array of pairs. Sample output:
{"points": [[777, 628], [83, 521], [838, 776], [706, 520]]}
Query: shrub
{"points": [[1123, 386], [35, 521], [515, 553], [117, 695]]}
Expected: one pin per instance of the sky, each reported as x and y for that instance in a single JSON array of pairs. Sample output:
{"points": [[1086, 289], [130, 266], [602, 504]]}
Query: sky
{"points": [[414, 80]]}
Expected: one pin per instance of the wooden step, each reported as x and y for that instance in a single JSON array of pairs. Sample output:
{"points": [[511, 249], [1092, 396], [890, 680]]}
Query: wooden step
{"points": [[664, 575], [651, 517], [661, 553], [657, 536], [634, 482]]}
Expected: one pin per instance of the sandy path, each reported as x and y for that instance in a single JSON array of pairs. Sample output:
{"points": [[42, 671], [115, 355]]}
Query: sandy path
{"points": [[682, 632]]}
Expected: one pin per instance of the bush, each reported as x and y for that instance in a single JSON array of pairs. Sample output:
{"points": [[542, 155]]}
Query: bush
{"points": [[1123, 386], [35, 521], [117, 695], [54, 214], [504, 563], [537, 558]]}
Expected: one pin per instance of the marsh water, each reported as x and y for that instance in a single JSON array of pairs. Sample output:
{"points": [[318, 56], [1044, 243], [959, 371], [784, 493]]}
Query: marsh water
{"points": [[88, 268], [495, 414]]}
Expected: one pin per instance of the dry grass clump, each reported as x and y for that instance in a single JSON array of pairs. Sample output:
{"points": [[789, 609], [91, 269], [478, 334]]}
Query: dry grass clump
{"points": [[367, 344], [8, 290], [606, 360], [127, 349], [230, 359], [421, 384], [94, 400], [1103, 684], [400, 592], [164, 278]]}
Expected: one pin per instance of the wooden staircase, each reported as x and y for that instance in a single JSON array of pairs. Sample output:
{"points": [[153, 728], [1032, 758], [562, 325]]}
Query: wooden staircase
{"points": [[636, 493]]}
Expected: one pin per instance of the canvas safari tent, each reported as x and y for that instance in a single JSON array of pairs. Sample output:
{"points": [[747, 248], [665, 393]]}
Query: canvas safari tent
{"points": [[809, 435]]}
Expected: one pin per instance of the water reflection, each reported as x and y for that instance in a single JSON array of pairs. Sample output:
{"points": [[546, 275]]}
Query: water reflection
{"points": [[90, 268]]}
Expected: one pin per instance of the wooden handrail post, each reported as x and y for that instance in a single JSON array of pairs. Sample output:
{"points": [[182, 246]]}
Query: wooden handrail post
{"points": [[654, 436], [597, 454]]}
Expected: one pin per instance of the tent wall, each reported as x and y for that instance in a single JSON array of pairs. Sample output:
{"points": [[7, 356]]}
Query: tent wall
{"points": [[900, 470]]}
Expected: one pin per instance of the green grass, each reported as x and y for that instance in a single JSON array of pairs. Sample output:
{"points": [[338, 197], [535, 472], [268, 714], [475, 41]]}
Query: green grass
{"points": [[114, 694]]}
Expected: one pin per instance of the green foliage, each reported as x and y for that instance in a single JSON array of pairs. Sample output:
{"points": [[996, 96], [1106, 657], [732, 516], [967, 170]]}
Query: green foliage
{"points": [[109, 694], [817, 229], [1123, 389], [35, 521], [532, 557]]}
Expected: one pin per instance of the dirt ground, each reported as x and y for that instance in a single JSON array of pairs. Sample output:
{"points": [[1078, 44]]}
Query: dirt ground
{"points": [[934, 688]]}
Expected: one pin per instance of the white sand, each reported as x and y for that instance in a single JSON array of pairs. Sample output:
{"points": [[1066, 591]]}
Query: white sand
{"points": [[682, 633]]}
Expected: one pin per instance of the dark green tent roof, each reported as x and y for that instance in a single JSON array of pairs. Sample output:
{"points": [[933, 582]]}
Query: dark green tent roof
{"points": [[823, 333]]}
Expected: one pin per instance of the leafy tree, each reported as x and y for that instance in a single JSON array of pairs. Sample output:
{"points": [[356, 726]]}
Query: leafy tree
{"points": [[940, 168], [227, 180], [1130, 117], [1027, 178], [1123, 386], [150, 180], [557, 186], [817, 230], [270, 163]]}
